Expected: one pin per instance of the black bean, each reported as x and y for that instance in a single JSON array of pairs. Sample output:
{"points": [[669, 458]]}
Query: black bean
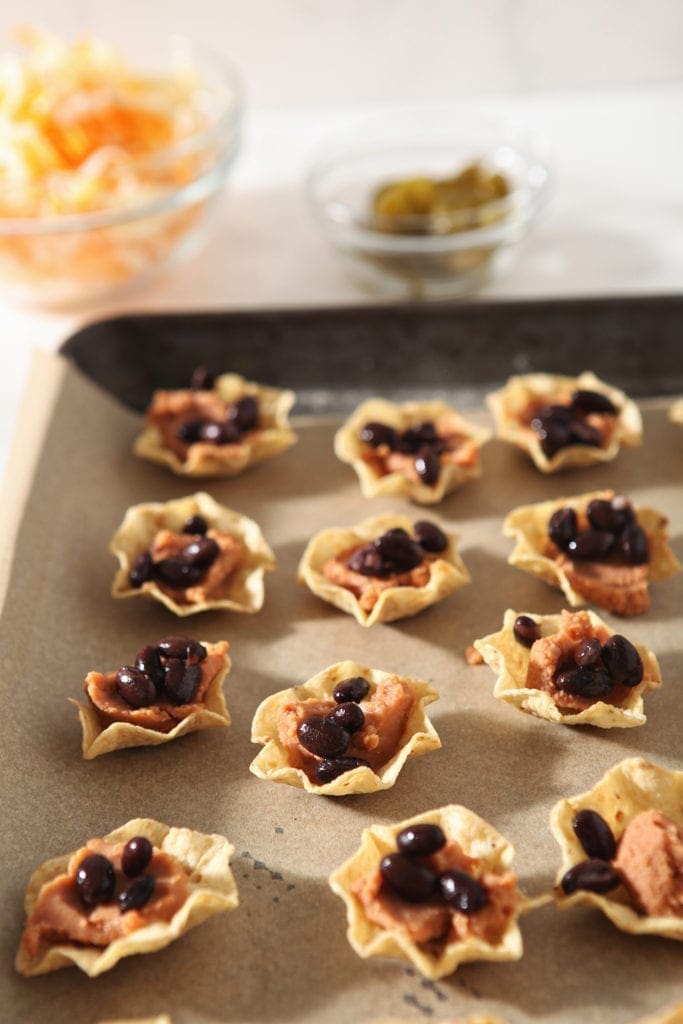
{"points": [[202, 552], [623, 507], [414, 882], [376, 434], [349, 715], [136, 855], [399, 553], [592, 401], [177, 573], [588, 652], [594, 875], [590, 683], [553, 434], [353, 689], [429, 536], [427, 466], [422, 435], [189, 431], [142, 570], [462, 891], [420, 840], [331, 768], [594, 834], [368, 561], [559, 413], [244, 414], [563, 527], [526, 631], [137, 894], [147, 660], [174, 670], [196, 524], [136, 688], [584, 433], [195, 651], [603, 516], [633, 545], [180, 647], [95, 879], [219, 433], [202, 379], [322, 737], [622, 661], [591, 545], [181, 681]]}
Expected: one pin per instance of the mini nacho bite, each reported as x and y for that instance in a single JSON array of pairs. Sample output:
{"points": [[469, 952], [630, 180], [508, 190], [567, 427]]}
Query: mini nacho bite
{"points": [[134, 891], [174, 687], [384, 568], [570, 668], [349, 729], [419, 450], [565, 422], [622, 848], [436, 890], [217, 427], [192, 554], [595, 547]]}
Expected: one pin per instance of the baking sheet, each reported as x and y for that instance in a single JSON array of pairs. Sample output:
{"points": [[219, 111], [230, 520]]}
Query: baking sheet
{"points": [[282, 954]]}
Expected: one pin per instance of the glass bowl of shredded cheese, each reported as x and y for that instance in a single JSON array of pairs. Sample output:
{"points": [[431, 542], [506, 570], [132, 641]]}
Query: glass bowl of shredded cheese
{"points": [[107, 172]]}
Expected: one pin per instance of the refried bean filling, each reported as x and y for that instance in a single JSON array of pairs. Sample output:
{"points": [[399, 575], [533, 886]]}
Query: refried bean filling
{"points": [[108, 891], [392, 560], [582, 417], [420, 451], [430, 890], [604, 552], [579, 665], [200, 416], [191, 566], [647, 861], [168, 681], [326, 738]]}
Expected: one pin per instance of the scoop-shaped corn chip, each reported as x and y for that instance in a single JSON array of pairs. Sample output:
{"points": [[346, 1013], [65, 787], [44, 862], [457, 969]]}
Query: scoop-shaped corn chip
{"points": [[211, 889], [676, 412], [627, 789], [101, 736], [587, 582], [374, 481], [480, 841], [141, 523], [273, 436], [510, 659], [510, 406], [418, 736], [447, 572]]}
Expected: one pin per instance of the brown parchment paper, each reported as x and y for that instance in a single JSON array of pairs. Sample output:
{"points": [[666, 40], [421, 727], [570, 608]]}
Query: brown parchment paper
{"points": [[282, 955]]}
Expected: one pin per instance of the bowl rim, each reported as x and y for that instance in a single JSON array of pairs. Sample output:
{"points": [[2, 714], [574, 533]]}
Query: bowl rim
{"points": [[527, 198], [227, 120]]}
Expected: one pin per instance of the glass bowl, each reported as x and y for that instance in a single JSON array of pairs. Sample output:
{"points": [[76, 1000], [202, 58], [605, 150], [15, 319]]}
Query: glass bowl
{"points": [[69, 259], [436, 257]]}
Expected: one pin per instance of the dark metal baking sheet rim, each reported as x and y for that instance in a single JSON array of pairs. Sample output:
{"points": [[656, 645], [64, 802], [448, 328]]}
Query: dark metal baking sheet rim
{"points": [[333, 357]]}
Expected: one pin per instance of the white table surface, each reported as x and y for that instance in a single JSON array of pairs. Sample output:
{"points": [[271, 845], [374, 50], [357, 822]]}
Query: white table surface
{"points": [[613, 226]]}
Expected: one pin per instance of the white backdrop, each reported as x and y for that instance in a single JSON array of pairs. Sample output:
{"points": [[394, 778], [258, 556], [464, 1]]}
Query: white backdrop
{"points": [[329, 52]]}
